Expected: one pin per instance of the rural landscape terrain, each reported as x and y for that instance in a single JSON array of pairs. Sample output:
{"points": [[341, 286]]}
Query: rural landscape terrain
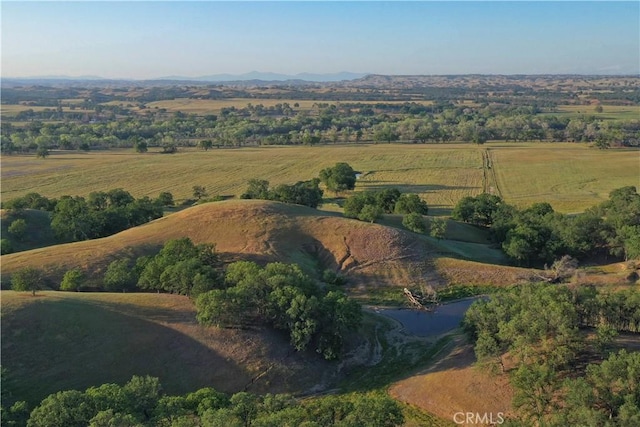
{"points": [[380, 251]]}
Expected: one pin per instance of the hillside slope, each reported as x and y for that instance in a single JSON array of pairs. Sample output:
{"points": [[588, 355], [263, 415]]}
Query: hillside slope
{"points": [[69, 340], [259, 230]]}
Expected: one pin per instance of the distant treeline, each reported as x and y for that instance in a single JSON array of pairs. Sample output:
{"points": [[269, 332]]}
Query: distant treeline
{"points": [[106, 126]]}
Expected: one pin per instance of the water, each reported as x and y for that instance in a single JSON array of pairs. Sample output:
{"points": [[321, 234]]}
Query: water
{"points": [[443, 319]]}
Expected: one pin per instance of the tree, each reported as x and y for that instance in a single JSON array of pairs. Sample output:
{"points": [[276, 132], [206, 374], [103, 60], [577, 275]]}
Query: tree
{"points": [[205, 144], [70, 408], [18, 228], [42, 152], [72, 280], [72, 220], [27, 279], [199, 192], [165, 199], [370, 213], [438, 228], [119, 276], [414, 222], [257, 189], [5, 247], [384, 132], [141, 147], [411, 203], [339, 178]]}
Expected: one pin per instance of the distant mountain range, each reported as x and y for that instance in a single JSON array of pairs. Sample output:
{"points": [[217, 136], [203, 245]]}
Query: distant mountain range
{"points": [[257, 75], [252, 76]]}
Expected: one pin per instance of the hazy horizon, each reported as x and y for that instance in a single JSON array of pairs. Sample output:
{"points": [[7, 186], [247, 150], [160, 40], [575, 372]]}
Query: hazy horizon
{"points": [[151, 40]]}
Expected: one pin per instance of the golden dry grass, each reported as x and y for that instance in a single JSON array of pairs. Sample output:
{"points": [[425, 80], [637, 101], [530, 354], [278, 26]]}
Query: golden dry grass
{"points": [[462, 272], [454, 385], [572, 177], [367, 253], [213, 106], [68, 340], [440, 174]]}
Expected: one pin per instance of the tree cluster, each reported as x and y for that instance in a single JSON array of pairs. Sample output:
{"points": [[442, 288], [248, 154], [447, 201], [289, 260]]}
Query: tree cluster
{"points": [[180, 267], [141, 402], [283, 296], [103, 213], [538, 235], [538, 325], [338, 178], [370, 205], [110, 127], [307, 193]]}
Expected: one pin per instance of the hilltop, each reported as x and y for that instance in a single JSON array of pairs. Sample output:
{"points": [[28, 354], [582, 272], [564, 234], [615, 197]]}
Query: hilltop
{"points": [[370, 255]]}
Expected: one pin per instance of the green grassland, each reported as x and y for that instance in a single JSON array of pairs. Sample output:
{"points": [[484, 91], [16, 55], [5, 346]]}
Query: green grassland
{"points": [[572, 177]]}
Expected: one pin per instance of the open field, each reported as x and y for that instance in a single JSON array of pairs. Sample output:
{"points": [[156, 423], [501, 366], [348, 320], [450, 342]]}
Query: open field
{"points": [[572, 177], [609, 112], [213, 106], [569, 176], [11, 110]]}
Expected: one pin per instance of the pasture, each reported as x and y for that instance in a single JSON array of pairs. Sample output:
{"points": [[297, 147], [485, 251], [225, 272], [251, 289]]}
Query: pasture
{"points": [[213, 106], [609, 112], [572, 177]]}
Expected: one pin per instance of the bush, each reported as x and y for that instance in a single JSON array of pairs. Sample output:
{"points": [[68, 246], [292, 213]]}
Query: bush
{"points": [[415, 222], [5, 247], [72, 280], [411, 203], [27, 279], [18, 228]]}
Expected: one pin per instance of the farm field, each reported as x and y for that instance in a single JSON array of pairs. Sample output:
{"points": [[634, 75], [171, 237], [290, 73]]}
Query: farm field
{"points": [[569, 177], [609, 112], [572, 177], [213, 106]]}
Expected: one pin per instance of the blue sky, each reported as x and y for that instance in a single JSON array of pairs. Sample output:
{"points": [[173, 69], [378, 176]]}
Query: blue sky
{"points": [[156, 39]]}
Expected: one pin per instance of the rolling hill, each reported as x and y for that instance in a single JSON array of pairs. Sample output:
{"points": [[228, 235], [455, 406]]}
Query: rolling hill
{"points": [[370, 255]]}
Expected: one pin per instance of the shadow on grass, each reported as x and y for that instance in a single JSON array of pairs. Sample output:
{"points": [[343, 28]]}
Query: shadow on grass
{"points": [[54, 344]]}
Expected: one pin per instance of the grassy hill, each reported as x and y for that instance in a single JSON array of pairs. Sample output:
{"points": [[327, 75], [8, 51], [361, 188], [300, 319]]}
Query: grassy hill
{"points": [[370, 254], [65, 340]]}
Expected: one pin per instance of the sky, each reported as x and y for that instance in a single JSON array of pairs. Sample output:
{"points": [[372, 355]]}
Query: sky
{"points": [[143, 39]]}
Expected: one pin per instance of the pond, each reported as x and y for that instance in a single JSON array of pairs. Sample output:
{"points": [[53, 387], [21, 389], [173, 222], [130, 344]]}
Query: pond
{"points": [[443, 319]]}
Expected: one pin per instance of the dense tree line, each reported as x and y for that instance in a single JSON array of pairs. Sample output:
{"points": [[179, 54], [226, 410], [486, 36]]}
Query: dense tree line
{"points": [[307, 193], [538, 235], [283, 124], [283, 296], [141, 402], [538, 326], [101, 214], [370, 205]]}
